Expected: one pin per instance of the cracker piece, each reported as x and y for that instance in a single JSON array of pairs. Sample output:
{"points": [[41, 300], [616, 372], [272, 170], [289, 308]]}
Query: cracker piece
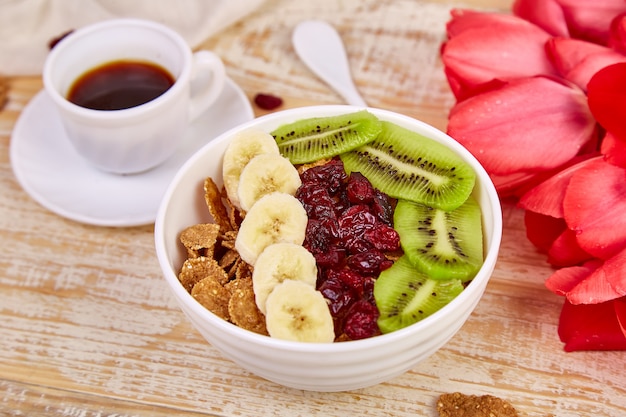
{"points": [[242, 306], [461, 405], [200, 239], [216, 206], [196, 269], [213, 296]]}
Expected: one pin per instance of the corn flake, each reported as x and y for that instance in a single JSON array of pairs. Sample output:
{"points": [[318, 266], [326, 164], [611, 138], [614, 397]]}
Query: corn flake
{"points": [[200, 239], [196, 269], [216, 206], [229, 259], [242, 306], [228, 239], [244, 270], [213, 296], [235, 216]]}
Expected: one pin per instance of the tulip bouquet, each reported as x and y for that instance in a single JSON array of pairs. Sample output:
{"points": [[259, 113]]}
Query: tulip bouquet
{"points": [[541, 102]]}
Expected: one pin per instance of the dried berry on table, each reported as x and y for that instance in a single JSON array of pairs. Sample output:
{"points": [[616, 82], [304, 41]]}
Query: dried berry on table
{"points": [[267, 101], [54, 41]]}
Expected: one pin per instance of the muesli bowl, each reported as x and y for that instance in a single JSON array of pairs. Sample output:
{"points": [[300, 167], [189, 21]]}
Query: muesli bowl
{"points": [[325, 367]]}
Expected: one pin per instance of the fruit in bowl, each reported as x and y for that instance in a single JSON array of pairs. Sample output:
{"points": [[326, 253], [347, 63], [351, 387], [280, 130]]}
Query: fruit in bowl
{"points": [[415, 290]]}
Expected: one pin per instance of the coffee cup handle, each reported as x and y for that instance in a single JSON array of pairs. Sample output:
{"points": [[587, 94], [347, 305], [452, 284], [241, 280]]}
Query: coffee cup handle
{"points": [[207, 82]]}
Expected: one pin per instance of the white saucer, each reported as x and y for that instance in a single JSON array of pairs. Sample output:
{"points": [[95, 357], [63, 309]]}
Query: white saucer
{"points": [[49, 169]]}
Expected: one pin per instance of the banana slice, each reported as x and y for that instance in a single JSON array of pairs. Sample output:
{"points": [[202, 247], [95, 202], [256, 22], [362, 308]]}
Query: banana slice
{"points": [[264, 174], [280, 262], [296, 311], [243, 147], [276, 217]]}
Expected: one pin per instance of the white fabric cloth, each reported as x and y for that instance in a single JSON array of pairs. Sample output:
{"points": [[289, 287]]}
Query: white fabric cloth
{"points": [[27, 26]]}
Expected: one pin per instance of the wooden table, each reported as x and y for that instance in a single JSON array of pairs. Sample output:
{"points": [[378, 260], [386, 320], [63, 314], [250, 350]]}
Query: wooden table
{"points": [[89, 327]]}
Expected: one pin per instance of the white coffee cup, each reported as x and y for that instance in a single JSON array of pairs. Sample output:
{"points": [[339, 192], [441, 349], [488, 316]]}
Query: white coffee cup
{"points": [[138, 138]]}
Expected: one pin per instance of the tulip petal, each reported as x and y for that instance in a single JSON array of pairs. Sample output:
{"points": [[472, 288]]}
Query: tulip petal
{"points": [[466, 19], [528, 125], [614, 269], [547, 14], [566, 53], [607, 98], [547, 197], [514, 184], [590, 327], [595, 288], [606, 283], [594, 206], [614, 150], [542, 230], [620, 312], [483, 47], [590, 19], [564, 280], [577, 60], [565, 251], [617, 37]]}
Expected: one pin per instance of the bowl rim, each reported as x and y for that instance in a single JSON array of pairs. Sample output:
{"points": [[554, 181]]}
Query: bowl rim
{"points": [[482, 277]]}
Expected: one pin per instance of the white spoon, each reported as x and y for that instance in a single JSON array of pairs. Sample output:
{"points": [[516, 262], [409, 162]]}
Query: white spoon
{"points": [[319, 46]]}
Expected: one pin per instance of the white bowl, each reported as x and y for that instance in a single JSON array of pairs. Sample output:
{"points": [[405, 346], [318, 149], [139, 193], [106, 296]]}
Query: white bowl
{"points": [[313, 366]]}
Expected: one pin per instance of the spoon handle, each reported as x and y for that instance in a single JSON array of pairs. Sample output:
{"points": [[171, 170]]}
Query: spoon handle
{"points": [[320, 47]]}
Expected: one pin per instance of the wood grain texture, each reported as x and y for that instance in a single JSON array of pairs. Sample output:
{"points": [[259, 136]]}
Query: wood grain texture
{"points": [[89, 328]]}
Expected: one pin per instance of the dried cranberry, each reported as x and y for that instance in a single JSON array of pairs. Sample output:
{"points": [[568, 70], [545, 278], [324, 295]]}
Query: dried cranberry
{"points": [[317, 239], [342, 203], [383, 237], [331, 257], [352, 225], [339, 296], [316, 201], [331, 174], [361, 321], [332, 227], [366, 263], [368, 289], [386, 264], [358, 245], [267, 101], [381, 207], [356, 220], [54, 41], [351, 279], [359, 189]]}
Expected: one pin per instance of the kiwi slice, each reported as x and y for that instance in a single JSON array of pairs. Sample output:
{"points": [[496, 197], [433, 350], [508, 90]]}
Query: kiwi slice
{"points": [[405, 164], [442, 244], [404, 295], [309, 140]]}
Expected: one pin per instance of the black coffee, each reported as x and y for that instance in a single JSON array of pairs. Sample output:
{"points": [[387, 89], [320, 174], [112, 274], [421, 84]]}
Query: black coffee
{"points": [[120, 85]]}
